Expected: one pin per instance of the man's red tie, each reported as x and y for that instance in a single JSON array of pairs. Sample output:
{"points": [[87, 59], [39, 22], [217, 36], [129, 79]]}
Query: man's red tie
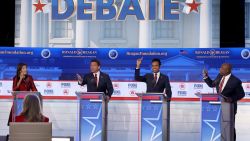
{"points": [[155, 77], [95, 75], [221, 84]]}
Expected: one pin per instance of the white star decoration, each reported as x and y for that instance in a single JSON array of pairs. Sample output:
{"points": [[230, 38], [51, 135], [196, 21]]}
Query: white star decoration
{"points": [[88, 119], [213, 137], [154, 135]]}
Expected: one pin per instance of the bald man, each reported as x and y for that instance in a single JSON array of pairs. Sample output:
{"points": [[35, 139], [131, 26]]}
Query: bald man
{"points": [[227, 85]]}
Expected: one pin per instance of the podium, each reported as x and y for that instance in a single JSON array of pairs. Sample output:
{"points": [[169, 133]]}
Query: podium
{"points": [[154, 115], [92, 116], [18, 97], [217, 118]]}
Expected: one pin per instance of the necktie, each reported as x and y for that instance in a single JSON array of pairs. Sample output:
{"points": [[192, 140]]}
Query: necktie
{"points": [[96, 83], [221, 84], [155, 78]]}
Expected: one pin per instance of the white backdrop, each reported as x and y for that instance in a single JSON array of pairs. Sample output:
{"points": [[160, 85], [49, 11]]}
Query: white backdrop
{"points": [[121, 89]]}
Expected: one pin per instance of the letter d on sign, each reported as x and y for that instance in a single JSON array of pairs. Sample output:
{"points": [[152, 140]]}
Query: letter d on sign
{"points": [[62, 9]]}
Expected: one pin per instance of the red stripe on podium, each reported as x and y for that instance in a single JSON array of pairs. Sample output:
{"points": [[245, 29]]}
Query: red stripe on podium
{"points": [[210, 98], [151, 97]]}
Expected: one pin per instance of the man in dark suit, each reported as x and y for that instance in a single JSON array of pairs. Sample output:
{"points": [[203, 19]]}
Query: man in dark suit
{"points": [[96, 80], [156, 81], [227, 85]]}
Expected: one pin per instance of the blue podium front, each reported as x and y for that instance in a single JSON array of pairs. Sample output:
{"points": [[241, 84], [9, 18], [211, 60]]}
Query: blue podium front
{"points": [[217, 120], [154, 115], [92, 114]]}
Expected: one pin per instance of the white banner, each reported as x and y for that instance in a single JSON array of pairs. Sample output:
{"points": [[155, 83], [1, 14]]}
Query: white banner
{"points": [[121, 89]]}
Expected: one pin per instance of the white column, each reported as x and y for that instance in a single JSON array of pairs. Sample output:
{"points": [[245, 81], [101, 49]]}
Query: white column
{"points": [[39, 24], [82, 34], [36, 27], [25, 23], [144, 28], [45, 30], [206, 24]]}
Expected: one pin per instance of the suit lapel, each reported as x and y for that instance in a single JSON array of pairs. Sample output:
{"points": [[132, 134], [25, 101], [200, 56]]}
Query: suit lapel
{"points": [[218, 84], [228, 81], [159, 79], [100, 79], [92, 78], [151, 78]]}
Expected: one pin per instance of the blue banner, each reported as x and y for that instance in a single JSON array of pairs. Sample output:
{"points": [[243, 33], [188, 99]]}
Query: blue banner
{"points": [[179, 64]]}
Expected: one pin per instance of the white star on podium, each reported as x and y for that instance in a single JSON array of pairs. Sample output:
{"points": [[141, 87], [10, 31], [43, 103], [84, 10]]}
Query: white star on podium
{"points": [[154, 135], [94, 133], [208, 122]]}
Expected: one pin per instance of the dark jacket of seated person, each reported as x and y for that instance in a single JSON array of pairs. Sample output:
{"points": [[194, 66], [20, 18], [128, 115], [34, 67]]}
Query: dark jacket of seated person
{"points": [[31, 110]]}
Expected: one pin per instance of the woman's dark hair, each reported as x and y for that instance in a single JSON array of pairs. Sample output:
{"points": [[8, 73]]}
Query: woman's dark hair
{"points": [[96, 61], [19, 68], [157, 60]]}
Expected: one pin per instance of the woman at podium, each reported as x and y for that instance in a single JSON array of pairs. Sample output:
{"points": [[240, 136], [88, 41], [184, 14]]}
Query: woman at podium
{"points": [[22, 82], [31, 110]]}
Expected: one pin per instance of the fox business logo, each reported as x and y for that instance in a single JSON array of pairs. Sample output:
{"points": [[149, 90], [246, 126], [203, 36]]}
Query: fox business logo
{"points": [[65, 85], [198, 86], [132, 85], [117, 92], [48, 92], [119, 9], [182, 93], [247, 94]]}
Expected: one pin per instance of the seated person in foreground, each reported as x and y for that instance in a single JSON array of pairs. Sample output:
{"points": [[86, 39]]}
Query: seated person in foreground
{"points": [[31, 110]]}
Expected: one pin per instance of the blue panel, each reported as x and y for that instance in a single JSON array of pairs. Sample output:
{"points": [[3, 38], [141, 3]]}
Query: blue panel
{"points": [[19, 106], [90, 120], [211, 119], [151, 121]]}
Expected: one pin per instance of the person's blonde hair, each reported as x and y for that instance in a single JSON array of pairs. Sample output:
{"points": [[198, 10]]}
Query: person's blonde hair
{"points": [[32, 109]]}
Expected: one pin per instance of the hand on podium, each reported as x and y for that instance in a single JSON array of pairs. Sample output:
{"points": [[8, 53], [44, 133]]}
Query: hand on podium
{"points": [[107, 98], [228, 99], [168, 99]]}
